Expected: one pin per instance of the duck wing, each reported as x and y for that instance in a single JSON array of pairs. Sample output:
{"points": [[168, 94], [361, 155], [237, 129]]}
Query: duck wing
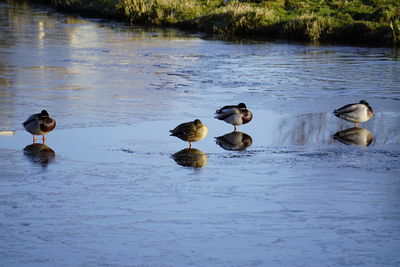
{"points": [[31, 119], [347, 109], [226, 112], [183, 130], [227, 109]]}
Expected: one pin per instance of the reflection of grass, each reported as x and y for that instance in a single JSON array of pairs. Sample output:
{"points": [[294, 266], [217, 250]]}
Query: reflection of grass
{"points": [[102, 8], [374, 22]]}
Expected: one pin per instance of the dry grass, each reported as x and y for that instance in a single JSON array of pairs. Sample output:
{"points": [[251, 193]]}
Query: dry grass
{"points": [[372, 22]]}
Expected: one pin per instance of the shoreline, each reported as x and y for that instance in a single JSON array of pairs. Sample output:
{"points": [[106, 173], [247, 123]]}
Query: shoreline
{"points": [[316, 22]]}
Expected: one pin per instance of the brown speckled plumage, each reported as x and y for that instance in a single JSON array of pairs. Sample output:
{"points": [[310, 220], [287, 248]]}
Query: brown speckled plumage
{"points": [[190, 131]]}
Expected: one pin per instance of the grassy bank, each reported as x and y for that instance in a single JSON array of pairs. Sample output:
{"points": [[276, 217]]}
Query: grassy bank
{"points": [[364, 22]]}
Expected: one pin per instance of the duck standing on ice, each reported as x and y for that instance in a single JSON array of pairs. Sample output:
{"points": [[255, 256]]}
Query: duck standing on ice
{"points": [[39, 124], [235, 115], [192, 131], [357, 112]]}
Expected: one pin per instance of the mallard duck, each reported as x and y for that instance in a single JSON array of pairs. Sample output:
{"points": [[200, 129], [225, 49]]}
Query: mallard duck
{"points": [[234, 141], [235, 115], [190, 131], [39, 124], [191, 157], [354, 136], [357, 112]]}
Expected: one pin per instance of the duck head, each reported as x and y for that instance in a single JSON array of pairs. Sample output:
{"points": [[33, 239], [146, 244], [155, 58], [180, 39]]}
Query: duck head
{"points": [[364, 102], [44, 113], [242, 106], [198, 122]]}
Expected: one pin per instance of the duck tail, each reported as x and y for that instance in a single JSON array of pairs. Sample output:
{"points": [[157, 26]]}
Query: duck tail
{"points": [[336, 113]]}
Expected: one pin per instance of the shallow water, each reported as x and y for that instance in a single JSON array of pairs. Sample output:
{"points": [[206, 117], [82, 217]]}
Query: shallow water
{"points": [[111, 187]]}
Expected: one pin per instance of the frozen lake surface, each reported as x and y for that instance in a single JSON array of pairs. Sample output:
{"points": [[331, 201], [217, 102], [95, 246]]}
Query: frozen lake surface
{"points": [[110, 187]]}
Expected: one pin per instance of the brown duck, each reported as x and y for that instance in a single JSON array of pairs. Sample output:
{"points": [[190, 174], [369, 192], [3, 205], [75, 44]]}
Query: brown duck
{"points": [[190, 131]]}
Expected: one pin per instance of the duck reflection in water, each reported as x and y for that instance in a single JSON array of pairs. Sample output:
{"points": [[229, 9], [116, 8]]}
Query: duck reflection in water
{"points": [[234, 141], [191, 157], [39, 153], [354, 136]]}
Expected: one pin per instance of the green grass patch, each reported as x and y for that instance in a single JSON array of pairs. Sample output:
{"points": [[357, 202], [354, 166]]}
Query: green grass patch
{"points": [[367, 22]]}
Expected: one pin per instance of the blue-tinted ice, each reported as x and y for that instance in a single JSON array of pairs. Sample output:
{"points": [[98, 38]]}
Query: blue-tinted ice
{"points": [[111, 187]]}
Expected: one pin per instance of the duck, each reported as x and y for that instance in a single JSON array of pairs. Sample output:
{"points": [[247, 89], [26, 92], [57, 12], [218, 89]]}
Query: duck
{"points": [[354, 136], [235, 115], [356, 112], [192, 131], [39, 124]]}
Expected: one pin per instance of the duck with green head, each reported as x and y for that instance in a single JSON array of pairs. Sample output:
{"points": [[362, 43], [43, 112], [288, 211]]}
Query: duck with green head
{"points": [[39, 124], [192, 131], [357, 112], [235, 115]]}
